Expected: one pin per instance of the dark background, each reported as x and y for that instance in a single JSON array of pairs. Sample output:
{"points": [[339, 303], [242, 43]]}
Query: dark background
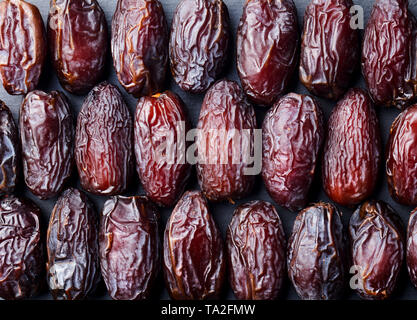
{"points": [[222, 212]]}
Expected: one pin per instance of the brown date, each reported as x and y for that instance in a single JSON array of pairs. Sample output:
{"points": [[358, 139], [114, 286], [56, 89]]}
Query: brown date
{"points": [[389, 54], [47, 137], [72, 243], [377, 249], [22, 46], [352, 150], [194, 262], [401, 158], [103, 142], [162, 170], [412, 247], [267, 48], [21, 249], [129, 247], [256, 248], [330, 48], [293, 134], [223, 164], [199, 43], [139, 46], [316, 253], [9, 151], [77, 35]]}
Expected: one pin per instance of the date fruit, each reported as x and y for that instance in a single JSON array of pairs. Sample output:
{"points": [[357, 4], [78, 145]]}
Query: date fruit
{"points": [[401, 159], [22, 46], [103, 142], [139, 46], [256, 248], [194, 262], [21, 249], [267, 48], [78, 41], [389, 54], [72, 244], [330, 48], [160, 147], [129, 247], [199, 43], [225, 142], [47, 137], [412, 247], [377, 249], [9, 151], [316, 253], [293, 134], [352, 150]]}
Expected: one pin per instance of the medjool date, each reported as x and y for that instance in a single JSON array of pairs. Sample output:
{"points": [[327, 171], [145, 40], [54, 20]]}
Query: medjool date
{"points": [[293, 134], [47, 136], [199, 43], [256, 252], [412, 247]]}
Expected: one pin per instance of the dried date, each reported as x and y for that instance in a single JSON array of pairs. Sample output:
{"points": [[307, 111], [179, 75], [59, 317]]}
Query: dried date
{"points": [[129, 247], [21, 249], [47, 137], [161, 124], [377, 249], [103, 142], [139, 46], [412, 247], [194, 263], [72, 269], [77, 34], [293, 134], [352, 150], [267, 48], [199, 43], [22, 46], [316, 253], [256, 248], [330, 48]]}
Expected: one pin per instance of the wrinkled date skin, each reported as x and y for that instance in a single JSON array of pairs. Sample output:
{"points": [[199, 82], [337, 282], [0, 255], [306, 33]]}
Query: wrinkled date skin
{"points": [[21, 250], [194, 262], [401, 158], [199, 43], [293, 135], [103, 142], [129, 247], [352, 152], [256, 248], [377, 249], [316, 253], [78, 41], [22, 46], [222, 168], [9, 151], [139, 46], [267, 48], [72, 244], [330, 48], [163, 172], [389, 54], [47, 137], [412, 247]]}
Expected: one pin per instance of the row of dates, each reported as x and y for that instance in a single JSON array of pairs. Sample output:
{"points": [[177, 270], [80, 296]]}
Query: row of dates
{"points": [[198, 47], [125, 244]]}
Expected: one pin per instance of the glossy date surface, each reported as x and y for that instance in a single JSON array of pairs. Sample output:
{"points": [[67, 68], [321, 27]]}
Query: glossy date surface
{"points": [[22, 46], [194, 262], [129, 247], [411, 247], [72, 269], [293, 134], [199, 43], [47, 138], [256, 247], [78, 41]]}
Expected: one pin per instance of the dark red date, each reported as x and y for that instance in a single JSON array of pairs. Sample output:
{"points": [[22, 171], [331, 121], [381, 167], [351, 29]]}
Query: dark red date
{"points": [[412, 247]]}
